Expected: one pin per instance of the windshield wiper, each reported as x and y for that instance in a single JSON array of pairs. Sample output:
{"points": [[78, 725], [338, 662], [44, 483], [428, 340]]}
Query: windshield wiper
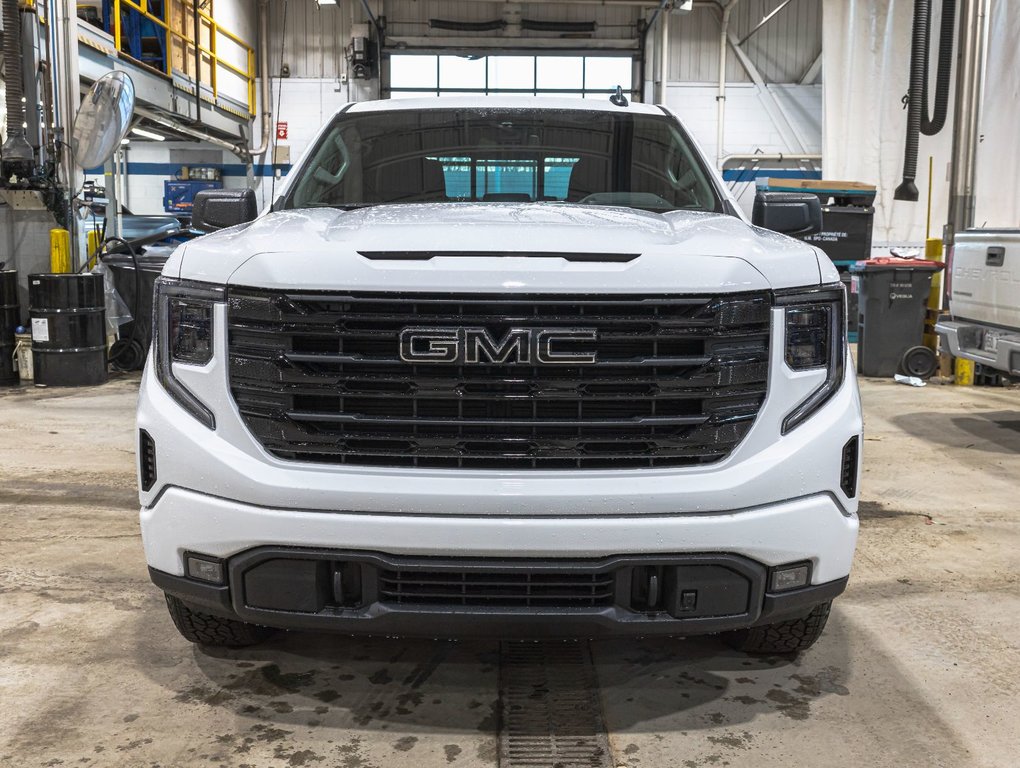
{"points": [[344, 206]]}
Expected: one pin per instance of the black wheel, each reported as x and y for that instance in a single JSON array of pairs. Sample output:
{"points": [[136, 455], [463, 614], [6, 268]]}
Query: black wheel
{"points": [[207, 629], [919, 361], [790, 636]]}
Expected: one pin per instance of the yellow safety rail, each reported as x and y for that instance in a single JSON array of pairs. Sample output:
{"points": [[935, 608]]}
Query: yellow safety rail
{"points": [[187, 35]]}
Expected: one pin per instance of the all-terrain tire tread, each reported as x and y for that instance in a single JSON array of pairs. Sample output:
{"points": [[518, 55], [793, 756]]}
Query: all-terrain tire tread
{"points": [[789, 636], [206, 629]]}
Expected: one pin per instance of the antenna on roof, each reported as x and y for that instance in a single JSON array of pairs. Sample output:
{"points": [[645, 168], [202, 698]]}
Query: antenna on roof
{"points": [[618, 98]]}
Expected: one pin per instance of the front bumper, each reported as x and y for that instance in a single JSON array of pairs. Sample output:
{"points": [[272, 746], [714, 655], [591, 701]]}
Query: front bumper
{"points": [[813, 530], [372, 593]]}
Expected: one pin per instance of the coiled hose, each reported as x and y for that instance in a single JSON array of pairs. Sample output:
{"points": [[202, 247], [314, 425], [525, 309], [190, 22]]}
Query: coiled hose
{"points": [[918, 121], [129, 354]]}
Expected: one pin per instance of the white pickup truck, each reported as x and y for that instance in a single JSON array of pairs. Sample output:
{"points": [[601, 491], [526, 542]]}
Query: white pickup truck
{"points": [[984, 299], [500, 366]]}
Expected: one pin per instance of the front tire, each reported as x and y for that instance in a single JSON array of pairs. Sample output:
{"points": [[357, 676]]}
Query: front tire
{"points": [[784, 637], [214, 631]]}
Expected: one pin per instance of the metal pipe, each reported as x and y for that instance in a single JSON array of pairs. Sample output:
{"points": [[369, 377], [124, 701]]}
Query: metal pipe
{"points": [[631, 3], [969, 86], [63, 19], [643, 48], [775, 158], [663, 57], [720, 99], [125, 179], [188, 130], [267, 96], [198, 62]]}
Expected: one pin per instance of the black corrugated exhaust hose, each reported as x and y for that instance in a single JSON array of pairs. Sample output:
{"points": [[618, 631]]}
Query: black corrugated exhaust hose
{"points": [[943, 74], [907, 190], [917, 98], [18, 157], [533, 25], [468, 26]]}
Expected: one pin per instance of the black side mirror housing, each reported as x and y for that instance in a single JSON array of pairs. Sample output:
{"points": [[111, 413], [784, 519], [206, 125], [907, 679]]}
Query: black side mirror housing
{"points": [[790, 213], [221, 208]]}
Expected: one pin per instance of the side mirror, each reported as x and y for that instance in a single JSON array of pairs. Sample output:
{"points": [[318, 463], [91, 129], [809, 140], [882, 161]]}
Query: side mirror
{"points": [[220, 208], [788, 212]]}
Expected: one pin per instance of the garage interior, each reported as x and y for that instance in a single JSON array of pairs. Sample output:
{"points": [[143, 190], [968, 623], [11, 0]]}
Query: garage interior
{"points": [[917, 665]]}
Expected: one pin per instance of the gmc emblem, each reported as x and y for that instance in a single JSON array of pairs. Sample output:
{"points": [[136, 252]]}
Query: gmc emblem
{"points": [[476, 346]]}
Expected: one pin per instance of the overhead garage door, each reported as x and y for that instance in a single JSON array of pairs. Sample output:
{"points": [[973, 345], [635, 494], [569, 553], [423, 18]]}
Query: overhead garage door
{"points": [[415, 75]]}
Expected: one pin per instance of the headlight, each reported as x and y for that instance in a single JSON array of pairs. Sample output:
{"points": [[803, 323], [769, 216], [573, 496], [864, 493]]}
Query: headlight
{"points": [[815, 324], [183, 333]]}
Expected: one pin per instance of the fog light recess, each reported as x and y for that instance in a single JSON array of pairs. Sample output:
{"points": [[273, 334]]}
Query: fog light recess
{"points": [[147, 459], [848, 467], [204, 568], [787, 577]]}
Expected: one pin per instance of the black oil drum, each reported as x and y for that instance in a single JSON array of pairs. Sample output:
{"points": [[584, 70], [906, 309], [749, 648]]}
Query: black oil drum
{"points": [[10, 318], [68, 314]]}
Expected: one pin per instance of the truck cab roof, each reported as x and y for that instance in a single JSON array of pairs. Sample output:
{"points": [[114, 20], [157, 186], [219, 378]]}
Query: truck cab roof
{"points": [[553, 104]]}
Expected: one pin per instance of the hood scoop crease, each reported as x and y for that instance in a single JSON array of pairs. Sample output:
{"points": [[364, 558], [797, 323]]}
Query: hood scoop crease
{"points": [[427, 255]]}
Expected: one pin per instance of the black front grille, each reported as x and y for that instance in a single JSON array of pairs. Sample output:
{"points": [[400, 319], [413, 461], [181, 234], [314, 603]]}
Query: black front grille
{"points": [[524, 589], [678, 380]]}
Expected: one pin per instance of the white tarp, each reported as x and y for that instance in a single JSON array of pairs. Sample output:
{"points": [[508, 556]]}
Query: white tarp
{"points": [[997, 184], [866, 72]]}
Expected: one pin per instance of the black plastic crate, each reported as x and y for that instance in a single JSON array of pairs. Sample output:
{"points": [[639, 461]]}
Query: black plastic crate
{"points": [[846, 232]]}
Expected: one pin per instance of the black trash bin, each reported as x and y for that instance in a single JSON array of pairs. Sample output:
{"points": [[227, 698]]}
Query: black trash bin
{"points": [[136, 292], [892, 302]]}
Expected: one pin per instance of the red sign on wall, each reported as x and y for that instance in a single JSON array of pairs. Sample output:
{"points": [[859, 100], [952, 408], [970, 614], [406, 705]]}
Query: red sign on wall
{"points": [[281, 130]]}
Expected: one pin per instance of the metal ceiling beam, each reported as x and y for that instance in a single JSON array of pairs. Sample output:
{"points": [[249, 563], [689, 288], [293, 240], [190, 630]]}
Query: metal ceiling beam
{"points": [[775, 111], [399, 43], [811, 73]]}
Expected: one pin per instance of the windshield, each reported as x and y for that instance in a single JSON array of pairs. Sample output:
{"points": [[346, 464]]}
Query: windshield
{"points": [[504, 155]]}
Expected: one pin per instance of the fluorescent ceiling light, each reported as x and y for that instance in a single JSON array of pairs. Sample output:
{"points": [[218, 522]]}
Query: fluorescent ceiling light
{"points": [[124, 142], [148, 134], [326, 2]]}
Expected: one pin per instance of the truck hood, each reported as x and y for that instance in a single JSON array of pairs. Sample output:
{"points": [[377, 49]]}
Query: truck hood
{"points": [[498, 247]]}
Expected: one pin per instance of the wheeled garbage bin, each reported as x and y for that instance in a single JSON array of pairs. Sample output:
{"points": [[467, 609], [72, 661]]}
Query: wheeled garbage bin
{"points": [[136, 291], [892, 302]]}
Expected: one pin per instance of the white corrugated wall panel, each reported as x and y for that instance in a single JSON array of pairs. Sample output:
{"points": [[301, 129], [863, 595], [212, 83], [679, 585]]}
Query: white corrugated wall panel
{"points": [[782, 50], [312, 37], [411, 17]]}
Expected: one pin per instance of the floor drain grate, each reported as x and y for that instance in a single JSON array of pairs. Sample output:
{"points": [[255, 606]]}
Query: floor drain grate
{"points": [[551, 714]]}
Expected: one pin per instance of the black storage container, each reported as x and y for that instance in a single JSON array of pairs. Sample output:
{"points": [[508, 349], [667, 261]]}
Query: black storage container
{"points": [[893, 298], [68, 315], [846, 232], [10, 318], [136, 289]]}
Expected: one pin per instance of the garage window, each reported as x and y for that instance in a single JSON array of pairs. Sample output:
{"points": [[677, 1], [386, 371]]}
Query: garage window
{"points": [[416, 75]]}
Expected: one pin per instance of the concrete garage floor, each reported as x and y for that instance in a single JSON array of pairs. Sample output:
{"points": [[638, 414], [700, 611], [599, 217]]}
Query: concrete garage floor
{"points": [[918, 667]]}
